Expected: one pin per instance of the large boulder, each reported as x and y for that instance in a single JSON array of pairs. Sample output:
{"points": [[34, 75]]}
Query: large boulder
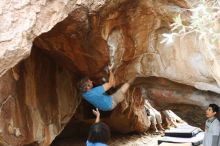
{"points": [[21, 21], [39, 96], [129, 35]]}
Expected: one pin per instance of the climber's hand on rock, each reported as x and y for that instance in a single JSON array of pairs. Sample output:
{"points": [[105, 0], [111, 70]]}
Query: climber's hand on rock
{"points": [[112, 79], [110, 67]]}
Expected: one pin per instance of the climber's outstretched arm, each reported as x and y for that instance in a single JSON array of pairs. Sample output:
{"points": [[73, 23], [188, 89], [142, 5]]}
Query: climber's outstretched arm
{"points": [[110, 83]]}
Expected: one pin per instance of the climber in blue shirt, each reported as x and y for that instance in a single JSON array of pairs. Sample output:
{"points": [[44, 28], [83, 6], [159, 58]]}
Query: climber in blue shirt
{"points": [[97, 97]]}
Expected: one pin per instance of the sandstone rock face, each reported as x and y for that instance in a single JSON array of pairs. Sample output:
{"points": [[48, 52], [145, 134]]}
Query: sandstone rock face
{"points": [[38, 97], [185, 61], [186, 101], [129, 36], [21, 21], [130, 115]]}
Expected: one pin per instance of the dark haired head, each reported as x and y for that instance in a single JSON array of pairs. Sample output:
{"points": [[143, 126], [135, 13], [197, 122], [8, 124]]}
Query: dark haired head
{"points": [[99, 132], [214, 107]]}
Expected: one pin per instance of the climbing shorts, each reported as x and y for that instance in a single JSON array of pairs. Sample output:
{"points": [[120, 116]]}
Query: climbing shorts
{"points": [[117, 97]]}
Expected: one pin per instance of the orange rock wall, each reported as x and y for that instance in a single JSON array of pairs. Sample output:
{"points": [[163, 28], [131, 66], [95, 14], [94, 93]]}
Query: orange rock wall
{"points": [[38, 98]]}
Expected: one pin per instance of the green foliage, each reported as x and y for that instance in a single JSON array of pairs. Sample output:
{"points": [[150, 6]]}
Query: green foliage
{"points": [[204, 20]]}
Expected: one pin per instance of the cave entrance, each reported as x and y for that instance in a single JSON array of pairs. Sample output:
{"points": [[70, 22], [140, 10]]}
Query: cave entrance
{"points": [[76, 131], [72, 49], [49, 82]]}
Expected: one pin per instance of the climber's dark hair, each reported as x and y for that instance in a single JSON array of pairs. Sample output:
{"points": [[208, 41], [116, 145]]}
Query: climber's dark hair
{"points": [[99, 132], [214, 107]]}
